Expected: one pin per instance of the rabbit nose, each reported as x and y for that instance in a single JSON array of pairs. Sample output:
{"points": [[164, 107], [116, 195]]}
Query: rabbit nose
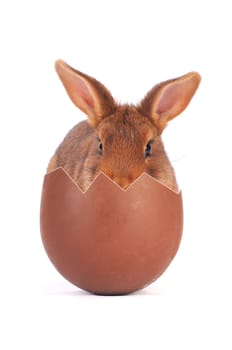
{"points": [[124, 182]]}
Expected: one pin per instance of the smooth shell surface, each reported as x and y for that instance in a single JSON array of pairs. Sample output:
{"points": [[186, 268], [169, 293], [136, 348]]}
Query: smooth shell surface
{"points": [[108, 240]]}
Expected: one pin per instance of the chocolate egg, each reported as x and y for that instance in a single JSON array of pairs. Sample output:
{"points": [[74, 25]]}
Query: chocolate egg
{"points": [[108, 240]]}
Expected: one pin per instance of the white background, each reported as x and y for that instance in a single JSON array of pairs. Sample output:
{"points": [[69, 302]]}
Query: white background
{"points": [[129, 46]]}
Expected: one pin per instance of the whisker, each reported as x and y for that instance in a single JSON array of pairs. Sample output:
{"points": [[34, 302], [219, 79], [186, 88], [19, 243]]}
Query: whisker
{"points": [[181, 157]]}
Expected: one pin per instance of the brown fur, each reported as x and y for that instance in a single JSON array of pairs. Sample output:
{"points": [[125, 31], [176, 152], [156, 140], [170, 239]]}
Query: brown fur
{"points": [[123, 130]]}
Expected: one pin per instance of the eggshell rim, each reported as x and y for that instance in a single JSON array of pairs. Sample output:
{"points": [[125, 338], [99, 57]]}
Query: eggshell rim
{"points": [[101, 173]]}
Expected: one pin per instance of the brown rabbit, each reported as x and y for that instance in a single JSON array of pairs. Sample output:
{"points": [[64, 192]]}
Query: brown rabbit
{"points": [[123, 141]]}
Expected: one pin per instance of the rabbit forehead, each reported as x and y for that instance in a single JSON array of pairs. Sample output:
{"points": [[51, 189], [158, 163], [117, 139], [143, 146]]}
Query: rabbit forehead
{"points": [[128, 124]]}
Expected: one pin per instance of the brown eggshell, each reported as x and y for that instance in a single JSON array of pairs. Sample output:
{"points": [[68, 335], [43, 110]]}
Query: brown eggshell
{"points": [[108, 240]]}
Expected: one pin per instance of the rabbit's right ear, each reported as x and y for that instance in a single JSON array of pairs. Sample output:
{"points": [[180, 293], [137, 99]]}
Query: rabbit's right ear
{"points": [[86, 93]]}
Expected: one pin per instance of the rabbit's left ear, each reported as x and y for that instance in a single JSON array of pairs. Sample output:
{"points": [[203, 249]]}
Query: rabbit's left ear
{"points": [[168, 99]]}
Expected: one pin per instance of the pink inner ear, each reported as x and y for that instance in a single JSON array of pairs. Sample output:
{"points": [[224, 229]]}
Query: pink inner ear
{"points": [[169, 99], [84, 93]]}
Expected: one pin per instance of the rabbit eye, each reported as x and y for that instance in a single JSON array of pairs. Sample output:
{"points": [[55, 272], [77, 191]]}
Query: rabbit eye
{"points": [[148, 149], [100, 147]]}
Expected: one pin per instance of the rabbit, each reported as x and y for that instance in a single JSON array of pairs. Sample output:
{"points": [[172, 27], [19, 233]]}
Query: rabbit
{"points": [[121, 140]]}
